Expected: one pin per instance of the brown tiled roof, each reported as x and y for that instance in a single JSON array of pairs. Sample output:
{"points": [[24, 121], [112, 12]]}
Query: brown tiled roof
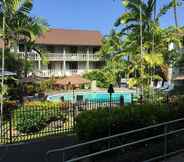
{"points": [[70, 37]]}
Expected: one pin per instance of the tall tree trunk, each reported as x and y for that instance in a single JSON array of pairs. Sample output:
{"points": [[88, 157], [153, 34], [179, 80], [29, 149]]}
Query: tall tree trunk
{"points": [[26, 57], [175, 12]]}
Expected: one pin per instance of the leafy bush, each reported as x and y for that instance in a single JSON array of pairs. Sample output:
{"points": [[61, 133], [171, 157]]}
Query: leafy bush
{"points": [[30, 120], [45, 85], [30, 89], [47, 105], [40, 104], [8, 106], [121, 120], [99, 77]]}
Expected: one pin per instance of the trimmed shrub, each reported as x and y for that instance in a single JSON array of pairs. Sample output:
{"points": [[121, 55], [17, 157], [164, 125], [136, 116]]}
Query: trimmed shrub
{"points": [[121, 120]]}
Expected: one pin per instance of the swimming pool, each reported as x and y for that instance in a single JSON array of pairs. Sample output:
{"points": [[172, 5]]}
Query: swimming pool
{"points": [[90, 96]]}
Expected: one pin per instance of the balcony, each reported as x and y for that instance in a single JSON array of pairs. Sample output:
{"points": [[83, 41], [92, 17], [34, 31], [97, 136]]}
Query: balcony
{"points": [[61, 57], [59, 73], [30, 55], [72, 57]]}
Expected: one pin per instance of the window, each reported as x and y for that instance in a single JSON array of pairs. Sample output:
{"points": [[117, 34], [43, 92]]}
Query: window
{"points": [[73, 50], [95, 50], [22, 48], [83, 50], [49, 65], [50, 49]]}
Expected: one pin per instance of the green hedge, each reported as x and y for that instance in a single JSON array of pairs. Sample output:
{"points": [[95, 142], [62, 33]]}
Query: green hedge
{"points": [[30, 120], [122, 120]]}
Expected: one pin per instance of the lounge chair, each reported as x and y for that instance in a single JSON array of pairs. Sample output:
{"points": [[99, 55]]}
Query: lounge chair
{"points": [[171, 87], [165, 86], [123, 82], [159, 85]]}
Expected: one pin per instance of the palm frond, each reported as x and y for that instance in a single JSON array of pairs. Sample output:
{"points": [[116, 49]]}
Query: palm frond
{"points": [[164, 10]]}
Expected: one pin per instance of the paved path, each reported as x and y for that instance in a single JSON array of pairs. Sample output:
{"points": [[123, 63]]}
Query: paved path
{"points": [[177, 158], [33, 151]]}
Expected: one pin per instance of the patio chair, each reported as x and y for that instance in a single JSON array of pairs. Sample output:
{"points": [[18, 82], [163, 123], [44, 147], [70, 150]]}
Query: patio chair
{"points": [[171, 87], [165, 86], [159, 85], [123, 82]]}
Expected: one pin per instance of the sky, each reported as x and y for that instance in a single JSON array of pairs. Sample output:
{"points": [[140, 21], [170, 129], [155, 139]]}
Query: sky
{"points": [[97, 15]]}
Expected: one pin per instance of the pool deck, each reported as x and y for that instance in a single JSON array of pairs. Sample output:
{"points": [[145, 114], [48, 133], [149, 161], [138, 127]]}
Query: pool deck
{"points": [[91, 90]]}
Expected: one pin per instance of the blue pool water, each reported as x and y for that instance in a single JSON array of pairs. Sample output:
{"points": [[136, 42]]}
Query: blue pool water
{"points": [[90, 96]]}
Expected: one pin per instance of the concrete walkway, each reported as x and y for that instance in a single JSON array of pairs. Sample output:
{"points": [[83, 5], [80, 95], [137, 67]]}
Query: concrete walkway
{"points": [[177, 158], [33, 151]]}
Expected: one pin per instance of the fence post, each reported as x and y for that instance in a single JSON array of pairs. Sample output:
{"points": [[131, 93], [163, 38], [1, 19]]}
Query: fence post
{"points": [[165, 140], [63, 156], [74, 112], [10, 126], [132, 98], [122, 102]]}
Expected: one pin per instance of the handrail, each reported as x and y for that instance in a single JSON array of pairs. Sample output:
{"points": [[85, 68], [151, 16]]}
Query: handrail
{"points": [[114, 136], [165, 134], [125, 145]]}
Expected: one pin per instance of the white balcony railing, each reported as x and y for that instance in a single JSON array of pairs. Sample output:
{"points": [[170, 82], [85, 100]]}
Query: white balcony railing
{"points": [[62, 57], [59, 73], [30, 55], [72, 57]]}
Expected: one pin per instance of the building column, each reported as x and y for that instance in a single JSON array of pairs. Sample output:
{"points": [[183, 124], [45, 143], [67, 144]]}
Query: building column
{"points": [[64, 61], [39, 64], [87, 63], [170, 74]]}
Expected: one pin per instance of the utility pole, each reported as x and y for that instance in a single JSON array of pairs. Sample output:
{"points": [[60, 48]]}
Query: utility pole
{"points": [[2, 66], [141, 44]]}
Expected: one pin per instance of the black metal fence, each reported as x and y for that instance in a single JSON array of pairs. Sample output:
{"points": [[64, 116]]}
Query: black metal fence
{"points": [[32, 122]]}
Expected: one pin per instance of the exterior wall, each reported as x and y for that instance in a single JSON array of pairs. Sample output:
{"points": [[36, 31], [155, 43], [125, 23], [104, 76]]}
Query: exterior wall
{"points": [[66, 60]]}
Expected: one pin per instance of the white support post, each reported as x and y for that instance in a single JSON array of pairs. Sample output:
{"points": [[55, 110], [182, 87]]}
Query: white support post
{"points": [[64, 61], [39, 64], [87, 63]]}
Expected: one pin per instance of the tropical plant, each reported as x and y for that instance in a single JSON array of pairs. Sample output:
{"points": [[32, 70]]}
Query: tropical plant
{"points": [[19, 26], [27, 29], [99, 76], [141, 67], [12, 10], [130, 20]]}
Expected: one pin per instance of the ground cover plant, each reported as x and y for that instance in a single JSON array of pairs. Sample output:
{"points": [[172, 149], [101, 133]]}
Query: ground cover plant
{"points": [[35, 116]]}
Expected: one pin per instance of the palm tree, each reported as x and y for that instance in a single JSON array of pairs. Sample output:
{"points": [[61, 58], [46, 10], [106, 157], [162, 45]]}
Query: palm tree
{"points": [[130, 20], [9, 9], [131, 36], [27, 29], [175, 12], [20, 27]]}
